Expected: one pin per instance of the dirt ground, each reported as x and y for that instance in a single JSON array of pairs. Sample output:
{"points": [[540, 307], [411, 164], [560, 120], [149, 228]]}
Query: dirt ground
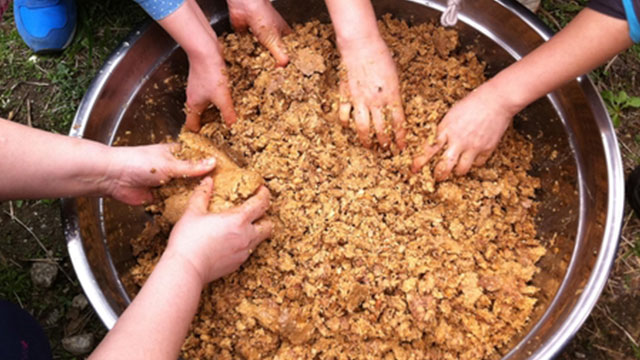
{"points": [[44, 92]]}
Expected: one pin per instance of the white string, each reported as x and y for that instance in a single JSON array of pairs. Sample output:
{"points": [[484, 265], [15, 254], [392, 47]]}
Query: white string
{"points": [[450, 15]]}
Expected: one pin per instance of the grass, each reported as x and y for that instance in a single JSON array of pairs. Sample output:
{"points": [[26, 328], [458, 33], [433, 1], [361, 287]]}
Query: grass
{"points": [[60, 81], [617, 102], [16, 284], [557, 14]]}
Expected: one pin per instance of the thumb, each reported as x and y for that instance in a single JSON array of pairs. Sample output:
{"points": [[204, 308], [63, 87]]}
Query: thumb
{"points": [[199, 201], [270, 38], [238, 22], [182, 168]]}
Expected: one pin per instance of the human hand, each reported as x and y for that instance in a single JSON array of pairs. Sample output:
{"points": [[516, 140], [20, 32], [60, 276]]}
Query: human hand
{"points": [[207, 84], [132, 171], [372, 90], [471, 131], [217, 244], [265, 23]]}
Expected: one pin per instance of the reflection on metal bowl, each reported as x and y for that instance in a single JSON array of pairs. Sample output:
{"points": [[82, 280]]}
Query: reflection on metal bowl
{"points": [[583, 218]]}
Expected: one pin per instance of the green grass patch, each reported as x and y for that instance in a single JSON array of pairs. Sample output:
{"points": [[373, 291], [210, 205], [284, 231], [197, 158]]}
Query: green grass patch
{"points": [[15, 284], [557, 14], [616, 102], [636, 351], [55, 84]]}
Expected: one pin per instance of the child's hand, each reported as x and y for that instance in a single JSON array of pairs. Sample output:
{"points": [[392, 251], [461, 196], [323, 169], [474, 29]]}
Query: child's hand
{"points": [[265, 23], [133, 170], [207, 84], [217, 244], [471, 130], [372, 90]]}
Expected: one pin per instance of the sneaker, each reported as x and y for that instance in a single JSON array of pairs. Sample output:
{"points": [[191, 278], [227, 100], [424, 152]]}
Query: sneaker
{"points": [[46, 26], [633, 190]]}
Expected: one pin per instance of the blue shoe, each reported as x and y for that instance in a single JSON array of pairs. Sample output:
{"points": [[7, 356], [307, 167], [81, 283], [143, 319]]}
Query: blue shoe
{"points": [[46, 26]]}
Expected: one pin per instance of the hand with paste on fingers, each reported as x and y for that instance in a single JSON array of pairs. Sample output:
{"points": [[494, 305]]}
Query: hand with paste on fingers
{"points": [[469, 133], [371, 89], [217, 244], [202, 247], [37, 164], [133, 171], [207, 83], [264, 22], [472, 129]]}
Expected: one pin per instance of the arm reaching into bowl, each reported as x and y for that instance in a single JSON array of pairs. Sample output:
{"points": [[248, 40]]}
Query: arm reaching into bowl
{"points": [[371, 87], [38, 164], [207, 82], [202, 247], [472, 129]]}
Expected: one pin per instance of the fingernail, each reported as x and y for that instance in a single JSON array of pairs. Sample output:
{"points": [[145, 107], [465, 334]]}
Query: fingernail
{"points": [[208, 162]]}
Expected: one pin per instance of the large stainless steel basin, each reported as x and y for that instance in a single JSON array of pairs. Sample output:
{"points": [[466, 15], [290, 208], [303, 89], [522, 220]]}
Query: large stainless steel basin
{"points": [[581, 221]]}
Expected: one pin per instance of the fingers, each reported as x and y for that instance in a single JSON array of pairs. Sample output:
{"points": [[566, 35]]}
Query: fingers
{"points": [[283, 26], [138, 196], [194, 111], [270, 38], [378, 123], [173, 147], [225, 104], [238, 23], [255, 207], [446, 165], [263, 229], [362, 124], [465, 162], [180, 168], [482, 158], [344, 111], [398, 119], [199, 201], [428, 152]]}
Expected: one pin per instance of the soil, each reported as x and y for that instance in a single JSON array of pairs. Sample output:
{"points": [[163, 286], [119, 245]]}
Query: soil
{"points": [[24, 225]]}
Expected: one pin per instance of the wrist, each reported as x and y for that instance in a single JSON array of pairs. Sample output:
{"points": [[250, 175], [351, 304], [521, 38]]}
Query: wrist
{"points": [[349, 37], [510, 100], [110, 170], [350, 32], [94, 176], [207, 52], [187, 269]]}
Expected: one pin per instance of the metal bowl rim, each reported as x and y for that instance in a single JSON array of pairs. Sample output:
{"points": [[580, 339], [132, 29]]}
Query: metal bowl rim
{"points": [[549, 349]]}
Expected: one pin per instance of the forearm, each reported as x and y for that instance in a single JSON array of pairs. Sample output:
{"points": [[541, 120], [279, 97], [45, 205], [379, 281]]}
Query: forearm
{"points": [[587, 42], [347, 30], [39, 164], [189, 28], [155, 325]]}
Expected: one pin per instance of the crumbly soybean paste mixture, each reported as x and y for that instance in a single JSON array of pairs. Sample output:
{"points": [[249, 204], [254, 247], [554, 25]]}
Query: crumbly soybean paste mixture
{"points": [[366, 261]]}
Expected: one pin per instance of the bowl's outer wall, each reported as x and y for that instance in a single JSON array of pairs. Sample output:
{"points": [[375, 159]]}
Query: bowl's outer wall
{"points": [[581, 221]]}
